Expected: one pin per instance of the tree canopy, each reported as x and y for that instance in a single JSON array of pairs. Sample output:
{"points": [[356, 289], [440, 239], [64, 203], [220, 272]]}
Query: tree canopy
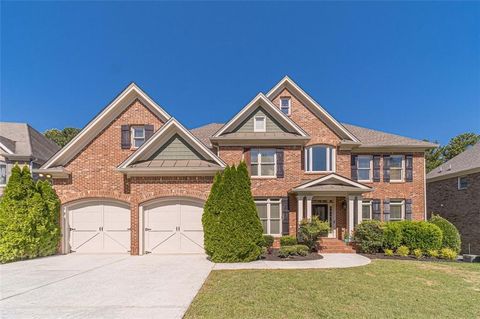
{"points": [[61, 137]]}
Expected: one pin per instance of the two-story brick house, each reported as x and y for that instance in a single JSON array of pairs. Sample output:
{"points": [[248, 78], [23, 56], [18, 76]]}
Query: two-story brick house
{"points": [[136, 180]]}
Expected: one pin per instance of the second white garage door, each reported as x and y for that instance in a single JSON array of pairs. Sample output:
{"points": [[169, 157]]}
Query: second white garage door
{"points": [[173, 226]]}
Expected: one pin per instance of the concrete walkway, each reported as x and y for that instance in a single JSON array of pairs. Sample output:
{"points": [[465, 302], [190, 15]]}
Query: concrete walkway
{"points": [[328, 261]]}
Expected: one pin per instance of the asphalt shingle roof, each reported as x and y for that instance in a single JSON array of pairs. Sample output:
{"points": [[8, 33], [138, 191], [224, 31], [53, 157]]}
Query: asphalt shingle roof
{"points": [[465, 161]]}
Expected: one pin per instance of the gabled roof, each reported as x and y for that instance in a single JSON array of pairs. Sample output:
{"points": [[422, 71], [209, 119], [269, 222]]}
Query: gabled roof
{"points": [[317, 109], [105, 117], [332, 183], [141, 162], [268, 106], [203, 133], [21, 140], [467, 162]]}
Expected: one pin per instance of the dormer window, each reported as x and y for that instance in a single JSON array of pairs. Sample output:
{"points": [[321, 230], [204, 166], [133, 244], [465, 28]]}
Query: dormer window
{"points": [[285, 105], [259, 124], [138, 136]]}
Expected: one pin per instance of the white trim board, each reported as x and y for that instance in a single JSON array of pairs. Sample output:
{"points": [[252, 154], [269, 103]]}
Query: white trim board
{"points": [[335, 177], [105, 117]]}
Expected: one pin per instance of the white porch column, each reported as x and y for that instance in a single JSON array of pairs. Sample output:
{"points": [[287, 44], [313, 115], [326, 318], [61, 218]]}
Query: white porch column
{"points": [[309, 207], [359, 209], [350, 214], [299, 209]]}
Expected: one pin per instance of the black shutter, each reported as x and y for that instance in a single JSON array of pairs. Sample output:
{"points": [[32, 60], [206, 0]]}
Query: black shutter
{"points": [[125, 137], [353, 165], [376, 209], [285, 216], [386, 168], [280, 164], [408, 209], [302, 159], [386, 209], [409, 168], [148, 131], [376, 168]]}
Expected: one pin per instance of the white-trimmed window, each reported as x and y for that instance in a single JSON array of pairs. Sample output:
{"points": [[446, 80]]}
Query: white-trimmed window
{"points": [[364, 168], [259, 123], [138, 136], [320, 158], [397, 165], [397, 209], [462, 182], [269, 212], [263, 162], [366, 210], [286, 105], [3, 174]]}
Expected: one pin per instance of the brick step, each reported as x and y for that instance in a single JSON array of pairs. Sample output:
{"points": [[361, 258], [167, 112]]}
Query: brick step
{"points": [[337, 251], [333, 245]]}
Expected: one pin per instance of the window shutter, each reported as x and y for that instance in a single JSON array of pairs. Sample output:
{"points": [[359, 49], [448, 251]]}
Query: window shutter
{"points": [[409, 168], [125, 137], [408, 209], [302, 159], [285, 216], [386, 209], [280, 163], [246, 158], [386, 168], [376, 209], [354, 167], [376, 168], [148, 131]]}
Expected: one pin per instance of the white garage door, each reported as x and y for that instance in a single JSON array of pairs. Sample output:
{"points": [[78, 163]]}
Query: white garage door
{"points": [[99, 227], [174, 227]]}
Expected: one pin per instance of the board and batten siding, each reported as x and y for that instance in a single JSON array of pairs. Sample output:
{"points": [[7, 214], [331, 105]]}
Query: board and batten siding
{"points": [[176, 148], [271, 124]]}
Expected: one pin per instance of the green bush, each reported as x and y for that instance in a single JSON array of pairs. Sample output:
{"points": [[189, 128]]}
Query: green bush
{"points": [[232, 230], [403, 251], [296, 250], [29, 218], [451, 236], [268, 241], [432, 253], [288, 240], [311, 230], [448, 253], [388, 252], [393, 235], [417, 253], [422, 235], [369, 236]]}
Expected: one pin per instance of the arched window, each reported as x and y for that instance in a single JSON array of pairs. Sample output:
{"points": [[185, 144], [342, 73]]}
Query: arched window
{"points": [[320, 158]]}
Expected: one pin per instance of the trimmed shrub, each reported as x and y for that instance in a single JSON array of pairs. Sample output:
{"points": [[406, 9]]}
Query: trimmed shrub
{"points": [[403, 251], [451, 236], [432, 253], [448, 253], [393, 235], [232, 229], [369, 236], [287, 251], [268, 241], [388, 252], [311, 230], [417, 253], [422, 235], [288, 241]]}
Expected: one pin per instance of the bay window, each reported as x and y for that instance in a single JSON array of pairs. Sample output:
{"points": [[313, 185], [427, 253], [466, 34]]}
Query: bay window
{"points": [[270, 216], [320, 158], [263, 162]]}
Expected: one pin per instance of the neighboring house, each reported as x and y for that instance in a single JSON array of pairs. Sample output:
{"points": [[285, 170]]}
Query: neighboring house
{"points": [[453, 192], [135, 179], [22, 144]]}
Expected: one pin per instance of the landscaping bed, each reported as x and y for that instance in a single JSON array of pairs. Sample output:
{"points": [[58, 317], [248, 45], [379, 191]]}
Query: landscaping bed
{"points": [[274, 256], [410, 258]]}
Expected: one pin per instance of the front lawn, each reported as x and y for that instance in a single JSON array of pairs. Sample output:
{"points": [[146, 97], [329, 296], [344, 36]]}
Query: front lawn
{"points": [[383, 289]]}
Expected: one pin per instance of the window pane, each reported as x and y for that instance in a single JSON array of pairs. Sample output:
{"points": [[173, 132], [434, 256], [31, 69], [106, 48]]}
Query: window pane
{"points": [[259, 123], [366, 211], [285, 109], [285, 102], [395, 211], [138, 142], [319, 158], [138, 132], [363, 162], [262, 210], [264, 224], [3, 174], [268, 169], [268, 156], [396, 161], [254, 168], [463, 182], [254, 156], [395, 174], [274, 227], [363, 174], [274, 210]]}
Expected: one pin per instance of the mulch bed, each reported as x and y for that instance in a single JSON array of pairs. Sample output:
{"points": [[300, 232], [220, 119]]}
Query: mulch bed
{"points": [[274, 257], [411, 258]]}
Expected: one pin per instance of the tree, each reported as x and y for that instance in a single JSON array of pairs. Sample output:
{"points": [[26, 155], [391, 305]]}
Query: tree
{"points": [[459, 143], [232, 228], [433, 157], [61, 137]]}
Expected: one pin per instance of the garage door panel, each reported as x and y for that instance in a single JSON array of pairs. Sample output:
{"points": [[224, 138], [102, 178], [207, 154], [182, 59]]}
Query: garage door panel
{"points": [[192, 242], [191, 218], [116, 242], [86, 218], [162, 242], [116, 218], [163, 218], [86, 241]]}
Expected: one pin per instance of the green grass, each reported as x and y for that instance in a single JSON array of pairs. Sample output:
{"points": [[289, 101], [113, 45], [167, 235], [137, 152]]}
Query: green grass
{"points": [[382, 289]]}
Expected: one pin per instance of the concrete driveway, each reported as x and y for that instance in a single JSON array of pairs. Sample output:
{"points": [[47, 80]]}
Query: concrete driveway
{"points": [[100, 286]]}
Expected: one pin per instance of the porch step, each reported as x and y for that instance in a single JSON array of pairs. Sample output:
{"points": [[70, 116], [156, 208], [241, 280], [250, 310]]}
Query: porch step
{"points": [[333, 245]]}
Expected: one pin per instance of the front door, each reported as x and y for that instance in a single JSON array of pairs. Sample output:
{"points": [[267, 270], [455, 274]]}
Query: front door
{"points": [[325, 213]]}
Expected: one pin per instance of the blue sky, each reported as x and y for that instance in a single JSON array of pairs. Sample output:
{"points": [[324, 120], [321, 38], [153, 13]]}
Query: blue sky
{"points": [[406, 68]]}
